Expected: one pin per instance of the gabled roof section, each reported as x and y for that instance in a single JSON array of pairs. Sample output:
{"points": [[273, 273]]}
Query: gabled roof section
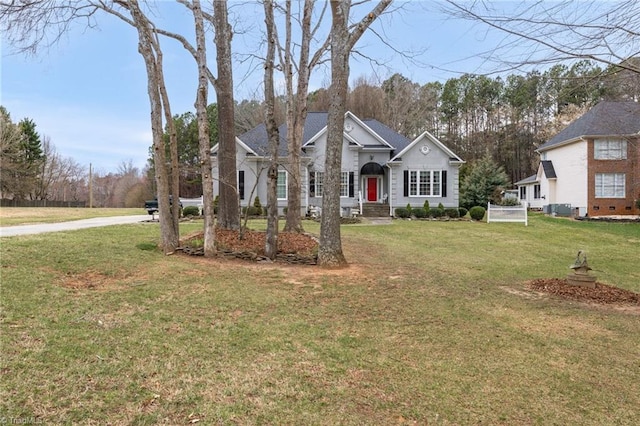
{"points": [[394, 139], [255, 140], [453, 157], [527, 180], [604, 119], [322, 117]]}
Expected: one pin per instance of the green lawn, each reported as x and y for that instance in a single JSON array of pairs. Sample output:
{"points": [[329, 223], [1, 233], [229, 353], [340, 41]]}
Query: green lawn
{"points": [[430, 324], [10, 216]]}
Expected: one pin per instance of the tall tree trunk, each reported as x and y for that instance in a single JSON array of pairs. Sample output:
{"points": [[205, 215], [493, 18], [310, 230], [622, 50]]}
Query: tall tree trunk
{"points": [[228, 213], [271, 243], [330, 250], [149, 48], [297, 113], [203, 132], [174, 171]]}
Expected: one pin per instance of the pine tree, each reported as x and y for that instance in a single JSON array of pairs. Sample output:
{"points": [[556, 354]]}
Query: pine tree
{"points": [[483, 183]]}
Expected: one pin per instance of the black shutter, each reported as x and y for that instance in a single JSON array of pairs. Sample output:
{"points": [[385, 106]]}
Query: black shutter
{"points": [[444, 183], [351, 184], [312, 184], [241, 184], [406, 183]]}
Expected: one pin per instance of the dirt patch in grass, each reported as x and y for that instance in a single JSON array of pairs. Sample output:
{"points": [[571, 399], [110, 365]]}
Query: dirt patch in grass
{"points": [[91, 280], [602, 294]]}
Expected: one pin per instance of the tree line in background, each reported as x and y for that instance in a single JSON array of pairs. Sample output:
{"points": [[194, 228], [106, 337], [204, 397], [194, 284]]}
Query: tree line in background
{"points": [[502, 119], [32, 169]]}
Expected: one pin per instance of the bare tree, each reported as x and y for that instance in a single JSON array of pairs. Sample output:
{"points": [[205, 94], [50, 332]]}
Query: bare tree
{"points": [[297, 99], [273, 135], [203, 131], [343, 40], [167, 180], [549, 32], [228, 213], [40, 23]]}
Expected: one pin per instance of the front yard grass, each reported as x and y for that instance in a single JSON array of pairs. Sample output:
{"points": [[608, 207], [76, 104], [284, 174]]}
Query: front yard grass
{"points": [[431, 323], [10, 216]]}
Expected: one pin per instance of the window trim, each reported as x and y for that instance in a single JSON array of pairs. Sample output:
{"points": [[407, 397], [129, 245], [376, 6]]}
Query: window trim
{"points": [[316, 183], [604, 149], [599, 187], [286, 186], [537, 191], [430, 184]]}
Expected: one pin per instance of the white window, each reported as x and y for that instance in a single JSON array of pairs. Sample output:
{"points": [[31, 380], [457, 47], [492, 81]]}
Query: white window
{"points": [[523, 192], [610, 185], [610, 149], [425, 183], [281, 186], [536, 191], [316, 184], [344, 184]]}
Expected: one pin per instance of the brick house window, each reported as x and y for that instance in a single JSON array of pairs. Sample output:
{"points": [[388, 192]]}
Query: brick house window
{"points": [[610, 185], [610, 149]]}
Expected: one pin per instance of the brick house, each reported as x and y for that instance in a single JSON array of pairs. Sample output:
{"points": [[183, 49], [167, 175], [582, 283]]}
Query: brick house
{"points": [[592, 167]]}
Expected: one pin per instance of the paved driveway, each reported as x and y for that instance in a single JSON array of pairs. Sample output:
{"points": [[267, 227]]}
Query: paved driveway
{"points": [[10, 231]]}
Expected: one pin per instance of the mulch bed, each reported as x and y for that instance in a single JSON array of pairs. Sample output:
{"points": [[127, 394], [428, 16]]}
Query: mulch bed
{"points": [[292, 247], [602, 293]]}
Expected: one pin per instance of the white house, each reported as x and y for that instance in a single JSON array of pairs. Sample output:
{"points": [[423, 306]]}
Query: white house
{"points": [[592, 167], [381, 169]]}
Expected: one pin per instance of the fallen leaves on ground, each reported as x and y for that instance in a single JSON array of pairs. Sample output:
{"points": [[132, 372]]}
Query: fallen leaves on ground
{"points": [[254, 241]]}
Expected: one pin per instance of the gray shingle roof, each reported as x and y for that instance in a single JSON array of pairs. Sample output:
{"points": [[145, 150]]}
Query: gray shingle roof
{"points": [[529, 179], [549, 171], [393, 138], [604, 119], [256, 138]]}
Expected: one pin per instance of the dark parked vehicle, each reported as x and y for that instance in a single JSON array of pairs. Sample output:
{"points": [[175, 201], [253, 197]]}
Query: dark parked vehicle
{"points": [[151, 206]]}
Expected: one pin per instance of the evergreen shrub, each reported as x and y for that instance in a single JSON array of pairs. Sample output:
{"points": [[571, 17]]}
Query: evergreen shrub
{"points": [[477, 212], [191, 211]]}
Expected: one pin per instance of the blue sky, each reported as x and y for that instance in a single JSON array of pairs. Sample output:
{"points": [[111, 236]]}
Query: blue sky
{"points": [[88, 93]]}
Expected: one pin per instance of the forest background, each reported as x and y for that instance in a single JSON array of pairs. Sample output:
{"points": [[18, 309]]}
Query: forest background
{"points": [[504, 118]]}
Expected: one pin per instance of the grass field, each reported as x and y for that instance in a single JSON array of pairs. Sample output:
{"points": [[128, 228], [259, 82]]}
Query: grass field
{"points": [[10, 216], [430, 324]]}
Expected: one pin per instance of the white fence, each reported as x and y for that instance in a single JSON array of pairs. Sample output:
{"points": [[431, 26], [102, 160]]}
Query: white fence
{"points": [[497, 213], [197, 202]]}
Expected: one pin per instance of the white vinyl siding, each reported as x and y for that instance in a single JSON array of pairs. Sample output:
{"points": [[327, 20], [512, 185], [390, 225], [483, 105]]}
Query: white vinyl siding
{"points": [[610, 185]]}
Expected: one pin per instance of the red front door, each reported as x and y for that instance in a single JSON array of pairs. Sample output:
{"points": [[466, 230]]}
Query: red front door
{"points": [[372, 189]]}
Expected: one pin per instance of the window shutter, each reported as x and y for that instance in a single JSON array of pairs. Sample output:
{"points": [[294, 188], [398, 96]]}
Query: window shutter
{"points": [[351, 185], [406, 183], [444, 183], [241, 183]]}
